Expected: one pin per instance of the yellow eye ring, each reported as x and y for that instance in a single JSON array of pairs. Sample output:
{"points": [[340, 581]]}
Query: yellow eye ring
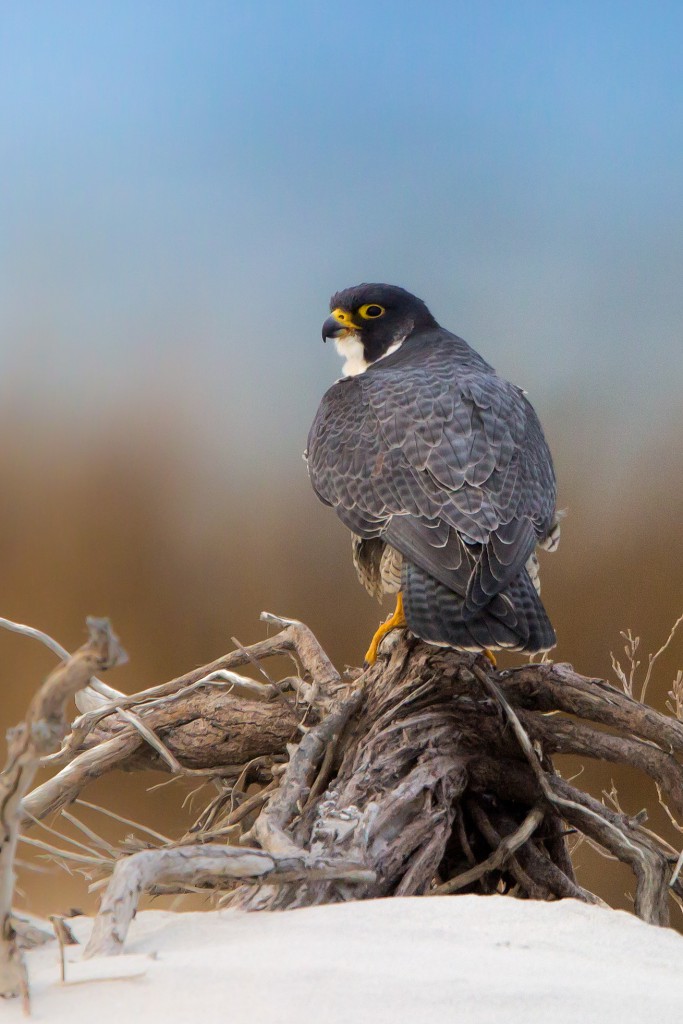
{"points": [[371, 311]]}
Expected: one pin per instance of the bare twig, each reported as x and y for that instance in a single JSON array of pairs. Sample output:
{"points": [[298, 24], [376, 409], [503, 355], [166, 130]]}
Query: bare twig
{"points": [[278, 691], [36, 634], [675, 702], [101, 689], [125, 821], [61, 855], [148, 734], [652, 658]]}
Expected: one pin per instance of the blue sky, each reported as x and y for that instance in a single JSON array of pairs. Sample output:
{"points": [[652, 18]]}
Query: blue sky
{"points": [[184, 185]]}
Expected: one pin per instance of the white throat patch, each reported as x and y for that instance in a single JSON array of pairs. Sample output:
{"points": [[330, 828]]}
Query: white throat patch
{"points": [[351, 350]]}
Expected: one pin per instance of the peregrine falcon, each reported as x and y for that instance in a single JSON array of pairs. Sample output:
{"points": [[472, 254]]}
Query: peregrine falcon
{"points": [[440, 469]]}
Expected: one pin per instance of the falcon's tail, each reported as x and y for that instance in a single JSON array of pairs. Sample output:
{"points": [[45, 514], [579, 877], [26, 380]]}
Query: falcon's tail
{"points": [[515, 618]]}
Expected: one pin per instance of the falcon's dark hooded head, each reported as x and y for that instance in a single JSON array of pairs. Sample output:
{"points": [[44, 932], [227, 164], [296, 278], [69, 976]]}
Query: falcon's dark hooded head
{"points": [[371, 320]]}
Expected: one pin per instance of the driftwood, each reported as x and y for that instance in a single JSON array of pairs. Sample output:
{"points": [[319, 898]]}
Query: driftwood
{"points": [[41, 733], [430, 772]]}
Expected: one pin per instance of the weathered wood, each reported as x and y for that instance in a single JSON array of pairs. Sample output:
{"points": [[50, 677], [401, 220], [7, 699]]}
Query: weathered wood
{"points": [[204, 729], [430, 771], [197, 866], [40, 733], [296, 786], [558, 687]]}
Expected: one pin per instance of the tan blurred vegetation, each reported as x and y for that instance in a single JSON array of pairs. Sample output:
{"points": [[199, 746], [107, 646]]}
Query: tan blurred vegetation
{"points": [[130, 523]]}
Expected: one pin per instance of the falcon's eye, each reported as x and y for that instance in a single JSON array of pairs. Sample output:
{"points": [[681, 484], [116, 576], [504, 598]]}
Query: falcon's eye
{"points": [[371, 311]]}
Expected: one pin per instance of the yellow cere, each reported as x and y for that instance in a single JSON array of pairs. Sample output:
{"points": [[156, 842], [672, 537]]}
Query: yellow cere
{"points": [[344, 318]]}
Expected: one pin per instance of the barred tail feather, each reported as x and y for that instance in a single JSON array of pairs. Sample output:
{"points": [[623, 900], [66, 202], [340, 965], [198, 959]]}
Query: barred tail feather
{"points": [[515, 618]]}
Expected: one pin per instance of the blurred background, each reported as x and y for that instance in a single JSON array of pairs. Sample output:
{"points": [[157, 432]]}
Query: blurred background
{"points": [[183, 187]]}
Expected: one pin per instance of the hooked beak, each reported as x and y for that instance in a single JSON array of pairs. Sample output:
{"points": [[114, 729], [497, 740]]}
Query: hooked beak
{"points": [[338, 324]]}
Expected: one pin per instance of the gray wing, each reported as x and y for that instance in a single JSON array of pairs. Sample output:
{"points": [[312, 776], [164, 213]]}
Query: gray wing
{"points": [[451, 469]]}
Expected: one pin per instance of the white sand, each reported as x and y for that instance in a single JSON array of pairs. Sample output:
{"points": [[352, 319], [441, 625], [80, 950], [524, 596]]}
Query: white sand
{"points": [[457, 959]]}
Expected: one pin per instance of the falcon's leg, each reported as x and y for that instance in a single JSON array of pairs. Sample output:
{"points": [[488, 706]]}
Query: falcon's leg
{"points": [[491, 656], [396, 621]]}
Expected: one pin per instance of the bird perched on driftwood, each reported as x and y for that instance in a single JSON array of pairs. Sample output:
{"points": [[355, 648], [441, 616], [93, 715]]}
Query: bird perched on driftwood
{"points": [[440, 469]]}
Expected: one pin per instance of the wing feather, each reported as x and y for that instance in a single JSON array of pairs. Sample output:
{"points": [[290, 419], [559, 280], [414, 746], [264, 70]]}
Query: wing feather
{"points": [[446, 463]]}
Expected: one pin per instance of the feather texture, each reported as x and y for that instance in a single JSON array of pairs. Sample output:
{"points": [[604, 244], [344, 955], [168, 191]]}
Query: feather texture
{"points": [[434, 454]]}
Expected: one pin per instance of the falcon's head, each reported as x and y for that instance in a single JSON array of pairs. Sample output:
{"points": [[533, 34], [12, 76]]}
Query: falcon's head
{"points": [[371, 321]]}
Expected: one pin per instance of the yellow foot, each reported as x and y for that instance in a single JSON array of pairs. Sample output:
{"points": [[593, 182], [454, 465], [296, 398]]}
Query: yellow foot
{"points": [[395, 621], [491, 656]]}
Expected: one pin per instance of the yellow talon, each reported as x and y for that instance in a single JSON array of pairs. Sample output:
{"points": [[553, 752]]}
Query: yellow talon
{"points": [[491, 656], [395, 621]]}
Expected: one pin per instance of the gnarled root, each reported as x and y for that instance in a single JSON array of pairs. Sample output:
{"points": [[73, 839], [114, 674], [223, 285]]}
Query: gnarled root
{"points": [[431, 772]]}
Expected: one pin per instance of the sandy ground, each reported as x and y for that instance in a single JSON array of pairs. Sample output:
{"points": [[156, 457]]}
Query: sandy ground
{"points": [[457, 959]]}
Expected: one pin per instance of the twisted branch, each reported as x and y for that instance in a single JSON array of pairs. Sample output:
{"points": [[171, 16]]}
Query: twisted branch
{"points": [[431, 773]]}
